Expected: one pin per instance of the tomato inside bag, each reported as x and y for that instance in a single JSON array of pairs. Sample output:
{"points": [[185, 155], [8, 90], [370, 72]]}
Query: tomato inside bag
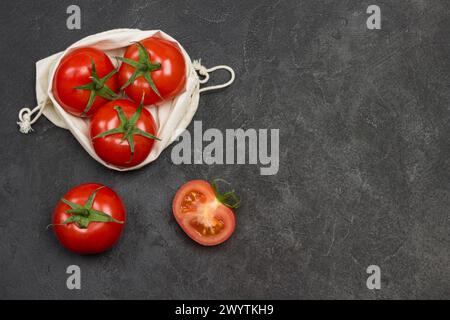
{"points": [[171, 116]]}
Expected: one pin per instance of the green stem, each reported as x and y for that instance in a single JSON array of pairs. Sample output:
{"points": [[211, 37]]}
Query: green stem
{"points": [[142, 68], [228, 198], [97, 87], [128, 128], [83, 215]]}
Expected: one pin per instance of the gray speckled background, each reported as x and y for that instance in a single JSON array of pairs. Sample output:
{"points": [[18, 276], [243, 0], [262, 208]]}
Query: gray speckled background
{"points": [[365, 146]]}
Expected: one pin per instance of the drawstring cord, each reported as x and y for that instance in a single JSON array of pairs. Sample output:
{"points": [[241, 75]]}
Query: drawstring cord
{"points": [[205, 73], [28, 116]]}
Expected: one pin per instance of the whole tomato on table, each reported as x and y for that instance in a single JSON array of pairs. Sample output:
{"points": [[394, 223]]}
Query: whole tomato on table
{"points": [[84, 80], [89, 218], [154, 67], [123, 133], [204, 213]]}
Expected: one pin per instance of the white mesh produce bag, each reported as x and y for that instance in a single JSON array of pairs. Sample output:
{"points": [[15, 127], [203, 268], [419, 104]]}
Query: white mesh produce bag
{"points": [[171, 116]]}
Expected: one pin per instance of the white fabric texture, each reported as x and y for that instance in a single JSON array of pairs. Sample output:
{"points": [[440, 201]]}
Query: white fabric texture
{"points": [[171, 117]]}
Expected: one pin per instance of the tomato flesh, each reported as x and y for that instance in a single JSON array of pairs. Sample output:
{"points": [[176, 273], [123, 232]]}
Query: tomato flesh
{"points": [[201, 215], [203, 221]]}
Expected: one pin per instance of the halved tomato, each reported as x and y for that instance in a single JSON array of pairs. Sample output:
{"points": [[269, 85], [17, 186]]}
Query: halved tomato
{"points": [[203, 213]]}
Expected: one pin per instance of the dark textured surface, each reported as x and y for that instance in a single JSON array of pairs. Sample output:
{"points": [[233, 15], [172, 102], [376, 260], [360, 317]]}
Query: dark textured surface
{"points": [[364, 155]]}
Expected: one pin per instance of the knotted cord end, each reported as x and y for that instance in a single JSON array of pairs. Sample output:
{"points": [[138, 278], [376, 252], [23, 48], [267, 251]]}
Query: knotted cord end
{"points": [[25, 115], [198, 67], [25, 122], [197, 64]]}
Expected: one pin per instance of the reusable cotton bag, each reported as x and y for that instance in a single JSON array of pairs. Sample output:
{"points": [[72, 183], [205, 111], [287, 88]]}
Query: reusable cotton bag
{"points": [[171, 116]]}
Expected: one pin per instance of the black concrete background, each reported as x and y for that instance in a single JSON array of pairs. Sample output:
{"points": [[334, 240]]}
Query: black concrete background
{"points": [[364, 154]]}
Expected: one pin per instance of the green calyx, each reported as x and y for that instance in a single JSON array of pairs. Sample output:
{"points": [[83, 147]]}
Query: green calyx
{"points": [[97, 87], [83, 215], [128, 127], [225, 196], [143, 68]]}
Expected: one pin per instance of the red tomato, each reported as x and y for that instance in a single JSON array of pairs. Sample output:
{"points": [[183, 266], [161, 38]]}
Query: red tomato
{"points": [[89, 218], [84, 80], [154, 67], [122, 142], [203, 214]]}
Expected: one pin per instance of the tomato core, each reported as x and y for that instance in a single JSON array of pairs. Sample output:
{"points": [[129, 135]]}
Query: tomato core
{"points": [[203, 220]]}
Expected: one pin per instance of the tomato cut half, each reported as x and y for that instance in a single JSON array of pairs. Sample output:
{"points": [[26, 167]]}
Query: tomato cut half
{"points": [[202, 215]]}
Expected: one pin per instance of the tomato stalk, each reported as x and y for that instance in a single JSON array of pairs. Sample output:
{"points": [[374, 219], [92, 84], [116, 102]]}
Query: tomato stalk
{"points": [[83, 215], [97, 87], [143, 68], [228, 198], [128, 127]]}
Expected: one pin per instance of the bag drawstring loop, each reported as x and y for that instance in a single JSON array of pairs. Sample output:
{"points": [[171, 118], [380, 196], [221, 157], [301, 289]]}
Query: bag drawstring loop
{"points": [[26, 118], [205, 73]]}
